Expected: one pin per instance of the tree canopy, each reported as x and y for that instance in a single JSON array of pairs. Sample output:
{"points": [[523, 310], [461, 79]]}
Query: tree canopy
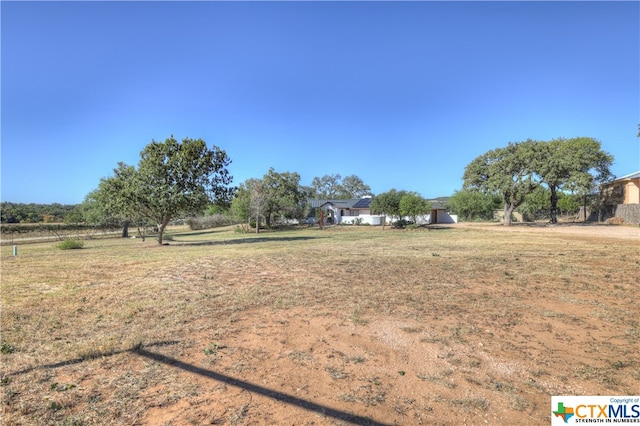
{"points": [[172, 179], [508, 171], [33, 212], [387, 203], [474, 204], [413, 205], [276, 194], [334, 187], [516, 170], [577, 164]]}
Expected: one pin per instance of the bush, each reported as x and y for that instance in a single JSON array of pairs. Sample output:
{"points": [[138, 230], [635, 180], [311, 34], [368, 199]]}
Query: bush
{"points": [[213, 221], [401, 224], [70, 244]]}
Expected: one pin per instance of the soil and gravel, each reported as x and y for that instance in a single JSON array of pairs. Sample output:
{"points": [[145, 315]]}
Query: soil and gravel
{"points": [[461, 324]]}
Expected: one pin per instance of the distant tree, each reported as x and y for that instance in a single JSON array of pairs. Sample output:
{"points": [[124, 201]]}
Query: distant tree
{"points": [[276, 194], [509, 171], [327, 186], [335, 187], [33, 212], [536, 204], [257, 203], [413, 205], [387, 204], [577, 164], [173, 178], [568, 204], [283, 195], [114, 199], [473, 204], [353, 187], [241, 207]]}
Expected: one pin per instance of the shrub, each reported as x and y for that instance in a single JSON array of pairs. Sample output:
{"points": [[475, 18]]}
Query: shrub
{"points": [[70, 244], [401, 224], [213, 221]]}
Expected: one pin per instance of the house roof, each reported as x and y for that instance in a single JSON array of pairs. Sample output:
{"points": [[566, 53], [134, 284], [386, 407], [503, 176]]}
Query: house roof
{"points": [[363, 203], [353, 203], [635, 175]]}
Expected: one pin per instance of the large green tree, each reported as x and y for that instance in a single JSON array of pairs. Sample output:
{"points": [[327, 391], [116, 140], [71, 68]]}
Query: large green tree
{"points": [[473, 204], [353, 187], [413, 205], [244, 207], [283, 195], [387, 204], [327, 186], [172, 179], [276, 194], [577, 164], [509, 171], [339, 188]]}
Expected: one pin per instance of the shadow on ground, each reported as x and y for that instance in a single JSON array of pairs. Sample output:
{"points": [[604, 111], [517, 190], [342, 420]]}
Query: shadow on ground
{"points": [[248, 240], [231, 381]]}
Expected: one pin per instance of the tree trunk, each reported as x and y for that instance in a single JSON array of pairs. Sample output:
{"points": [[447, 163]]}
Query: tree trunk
{"points": [[508, 210], [125, 229], [553, 213], [161, 228]]}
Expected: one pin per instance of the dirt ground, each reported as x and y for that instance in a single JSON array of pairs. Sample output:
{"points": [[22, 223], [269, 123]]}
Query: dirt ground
{"points": [[307, 367], [498, 339], [592, 230]]}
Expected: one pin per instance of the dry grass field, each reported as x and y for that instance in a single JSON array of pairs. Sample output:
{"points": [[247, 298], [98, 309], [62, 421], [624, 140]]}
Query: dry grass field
{"points": [[455, 325]]}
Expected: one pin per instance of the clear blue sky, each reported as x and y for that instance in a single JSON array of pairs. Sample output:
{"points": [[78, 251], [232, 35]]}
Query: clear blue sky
{"points": [[403, 95]]}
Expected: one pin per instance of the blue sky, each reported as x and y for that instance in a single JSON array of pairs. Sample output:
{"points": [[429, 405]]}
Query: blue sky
{"points": [[402, 94]]}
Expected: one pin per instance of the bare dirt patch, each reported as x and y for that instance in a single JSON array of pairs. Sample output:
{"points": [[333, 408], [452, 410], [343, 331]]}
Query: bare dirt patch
{"points": [[344, 326]]}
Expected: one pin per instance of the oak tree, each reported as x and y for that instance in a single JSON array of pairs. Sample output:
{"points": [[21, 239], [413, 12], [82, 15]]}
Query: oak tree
{"points": [[172, 179], [509, 171]]}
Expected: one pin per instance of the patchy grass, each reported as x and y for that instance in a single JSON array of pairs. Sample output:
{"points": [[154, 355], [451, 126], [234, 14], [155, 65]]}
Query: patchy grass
{"points": [[316, 327]]}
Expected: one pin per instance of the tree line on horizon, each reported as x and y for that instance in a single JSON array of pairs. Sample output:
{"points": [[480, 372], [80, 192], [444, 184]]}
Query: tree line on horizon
{"points": [[178, 179]]}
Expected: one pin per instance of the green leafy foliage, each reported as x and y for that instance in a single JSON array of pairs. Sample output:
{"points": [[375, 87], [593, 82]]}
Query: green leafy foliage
{"points": [[207, 222], [172, 179], [70, 244], [275, 195], [6, 348], [577, 165], [34, 213], [470, 205], [508, 171], [334, 187], [388, 203], [413, 205]]}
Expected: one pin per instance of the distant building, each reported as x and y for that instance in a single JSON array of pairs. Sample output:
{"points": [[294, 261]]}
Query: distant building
{"points": [[626, 189], [357, 211], [629, 186]]}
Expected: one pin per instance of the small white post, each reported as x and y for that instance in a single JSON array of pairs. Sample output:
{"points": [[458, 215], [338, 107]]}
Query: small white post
{"points": [[15, 250]]}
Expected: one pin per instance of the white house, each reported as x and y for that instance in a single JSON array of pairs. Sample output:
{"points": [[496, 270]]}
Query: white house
{"points": [[357, 211]]}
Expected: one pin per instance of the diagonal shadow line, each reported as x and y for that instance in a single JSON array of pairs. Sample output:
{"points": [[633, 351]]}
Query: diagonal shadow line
{"points": [[279, 396], [88, 357], [247, 240]]}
